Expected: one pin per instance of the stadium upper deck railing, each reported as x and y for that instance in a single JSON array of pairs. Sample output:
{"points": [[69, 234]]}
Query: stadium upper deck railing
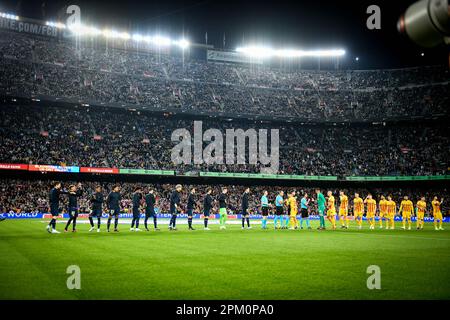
{"points": [[233, 175]]}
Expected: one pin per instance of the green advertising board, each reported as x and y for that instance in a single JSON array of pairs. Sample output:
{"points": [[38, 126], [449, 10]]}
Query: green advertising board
{"points": [[398, 178], [147, 172], [266, 176]]}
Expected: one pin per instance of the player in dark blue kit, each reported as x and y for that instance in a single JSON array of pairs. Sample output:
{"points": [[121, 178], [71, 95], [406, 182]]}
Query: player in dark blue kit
{"points": [[150, 202], [74, 193], [244, 208], [55, 192], [97, 206], [207, 206], [175, 199], [137, 197], [190, 207], [113, 204]]}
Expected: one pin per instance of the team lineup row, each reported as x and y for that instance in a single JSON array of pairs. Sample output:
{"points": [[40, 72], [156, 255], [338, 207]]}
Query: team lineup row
{"points": [[285, 210]]}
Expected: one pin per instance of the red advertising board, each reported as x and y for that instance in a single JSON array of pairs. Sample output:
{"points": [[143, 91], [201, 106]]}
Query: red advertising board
{"points": [[13, 166], [52, 168], [99, 170]]}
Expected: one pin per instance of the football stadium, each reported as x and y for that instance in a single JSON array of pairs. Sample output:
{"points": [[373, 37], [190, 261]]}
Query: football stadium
{"points": [[153, 165]]}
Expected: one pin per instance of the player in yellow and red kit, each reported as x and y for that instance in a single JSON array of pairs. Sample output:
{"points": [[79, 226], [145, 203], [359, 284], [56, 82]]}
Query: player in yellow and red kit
{"points": [[371, 209], [437, 214], [421, 207], [382, 209], [358, 210], [331, 210], [391, 208], [343, 210], [293, 210], [406, 209]]}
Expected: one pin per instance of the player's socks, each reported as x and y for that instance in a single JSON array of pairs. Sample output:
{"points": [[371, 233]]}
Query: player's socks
{"points": [[52, 223], [91, 221], [322, 221], [190, 222], [174, 221], [116, 222], [275, 222], [74, 224], [307, 223], [243, 223], [205, 222], [108, 224], [248, 222], [68, 223], [99, 222]]}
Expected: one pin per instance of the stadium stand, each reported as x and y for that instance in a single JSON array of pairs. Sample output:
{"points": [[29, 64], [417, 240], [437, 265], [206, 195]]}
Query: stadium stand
{"points": [[76, 71], [102, 137]]}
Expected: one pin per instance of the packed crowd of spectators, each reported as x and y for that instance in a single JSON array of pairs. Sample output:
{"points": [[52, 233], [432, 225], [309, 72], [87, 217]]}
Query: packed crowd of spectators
{"points": [[30, 65], [115, 137], [32, 196]]}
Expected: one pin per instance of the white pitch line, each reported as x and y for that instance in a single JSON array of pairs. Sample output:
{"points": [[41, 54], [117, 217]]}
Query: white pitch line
{"points": [[393, 235]]}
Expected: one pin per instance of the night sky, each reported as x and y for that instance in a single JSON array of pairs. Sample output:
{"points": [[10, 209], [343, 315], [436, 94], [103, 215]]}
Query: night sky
{"points": [[300, 24]]}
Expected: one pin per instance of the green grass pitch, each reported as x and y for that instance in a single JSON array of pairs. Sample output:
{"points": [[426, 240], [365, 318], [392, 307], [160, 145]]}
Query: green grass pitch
{"points": [[228, 264]]}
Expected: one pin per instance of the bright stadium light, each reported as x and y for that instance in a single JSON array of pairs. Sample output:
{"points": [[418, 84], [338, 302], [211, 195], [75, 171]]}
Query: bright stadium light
{"points": [[257, 52], [107, 33], [263, 52], [93, 31], [161, 41], [9, 16], [157, 40], [183, 43], [124, 35], [137, 37], [58, 25]]}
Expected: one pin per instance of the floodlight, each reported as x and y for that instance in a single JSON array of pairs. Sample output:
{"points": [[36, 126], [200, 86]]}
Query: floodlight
{"points": [[183, 43], [161, 41]]}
